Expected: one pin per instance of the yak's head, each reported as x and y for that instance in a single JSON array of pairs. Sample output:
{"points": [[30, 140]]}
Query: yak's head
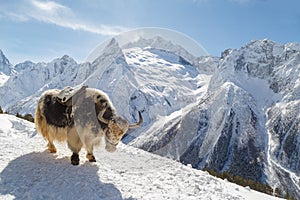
{"points": [[117, 127], [91, 101]]}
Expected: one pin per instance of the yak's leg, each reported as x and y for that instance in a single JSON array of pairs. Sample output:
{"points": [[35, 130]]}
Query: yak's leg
{"points": [[89, 148], [75, 159], [48, 132], [51, 147], [75, 144]]}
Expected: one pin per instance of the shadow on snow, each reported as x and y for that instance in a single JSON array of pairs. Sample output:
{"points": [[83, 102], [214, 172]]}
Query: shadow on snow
{"points": [[40, 175]]}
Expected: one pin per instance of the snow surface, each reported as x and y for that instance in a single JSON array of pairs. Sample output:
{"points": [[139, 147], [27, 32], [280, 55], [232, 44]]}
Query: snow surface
{"points": [[28, 171], [3, 78]]}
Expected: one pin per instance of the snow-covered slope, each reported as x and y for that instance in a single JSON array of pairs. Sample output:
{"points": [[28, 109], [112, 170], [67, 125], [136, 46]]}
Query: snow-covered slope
{"points": [[28, 171], [238, 113], [160, 43]]}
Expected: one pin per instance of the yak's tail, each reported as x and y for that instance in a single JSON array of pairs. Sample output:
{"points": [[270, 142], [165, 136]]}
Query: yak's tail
{"points": [[40, 121]]}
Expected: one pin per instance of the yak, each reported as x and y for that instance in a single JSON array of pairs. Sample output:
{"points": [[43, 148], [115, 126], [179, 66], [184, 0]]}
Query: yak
{"points": [[82, 117]]}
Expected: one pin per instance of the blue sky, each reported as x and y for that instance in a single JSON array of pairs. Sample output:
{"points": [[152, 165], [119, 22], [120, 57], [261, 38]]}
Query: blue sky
{"points": [[39, 30]]}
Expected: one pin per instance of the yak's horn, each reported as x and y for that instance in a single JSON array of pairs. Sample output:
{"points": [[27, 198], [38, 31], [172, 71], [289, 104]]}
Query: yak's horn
{"points": [[137, 124], [100, 117]]}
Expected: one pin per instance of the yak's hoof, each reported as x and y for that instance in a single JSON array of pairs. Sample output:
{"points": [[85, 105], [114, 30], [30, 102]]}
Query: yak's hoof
{"points": [[91, 157], [53, 150], [75, 159]]}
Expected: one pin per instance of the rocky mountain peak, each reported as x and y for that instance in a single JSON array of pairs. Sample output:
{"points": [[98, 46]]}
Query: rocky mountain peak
{"points": [[110, 52], [5, 66]]}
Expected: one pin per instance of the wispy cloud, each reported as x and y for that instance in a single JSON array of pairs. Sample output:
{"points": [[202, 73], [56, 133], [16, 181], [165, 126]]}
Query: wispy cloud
{"points": [[54, 13], [48, 6]]}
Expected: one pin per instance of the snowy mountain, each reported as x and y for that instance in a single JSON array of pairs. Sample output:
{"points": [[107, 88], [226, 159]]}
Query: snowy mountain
{"points": [[5, 68], [238, 113], [27, 171], [31, 79], [270, 73], [161, 44]]}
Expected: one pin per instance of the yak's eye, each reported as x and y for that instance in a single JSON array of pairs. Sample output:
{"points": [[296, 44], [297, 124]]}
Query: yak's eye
{"points": [[98, 97]]}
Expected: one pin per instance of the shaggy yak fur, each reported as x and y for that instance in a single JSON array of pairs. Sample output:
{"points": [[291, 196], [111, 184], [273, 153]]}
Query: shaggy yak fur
{"points": [[82, 119]]}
